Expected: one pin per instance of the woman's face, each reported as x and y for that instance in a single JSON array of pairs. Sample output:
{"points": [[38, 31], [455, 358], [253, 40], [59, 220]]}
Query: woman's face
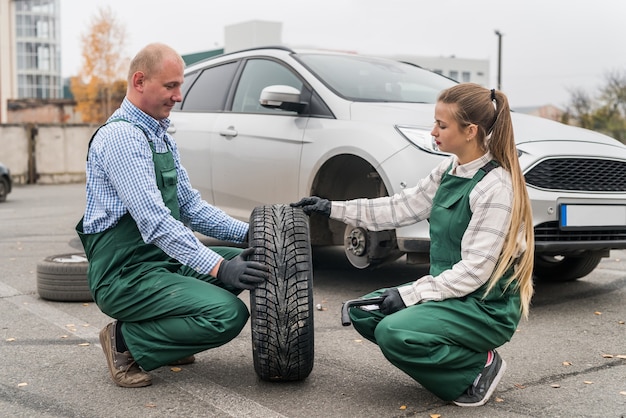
{"points": [[449, 136]]}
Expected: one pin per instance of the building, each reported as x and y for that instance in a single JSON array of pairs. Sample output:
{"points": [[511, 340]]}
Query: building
{"points": [[30, 37], [464, 70]]}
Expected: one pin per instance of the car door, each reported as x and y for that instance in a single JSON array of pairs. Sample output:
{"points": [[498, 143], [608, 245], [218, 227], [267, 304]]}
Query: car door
{"points": [[192, 122], [256, 156]]}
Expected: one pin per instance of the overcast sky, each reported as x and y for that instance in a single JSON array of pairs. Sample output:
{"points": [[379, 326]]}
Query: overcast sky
{"points": [[549, 47]]}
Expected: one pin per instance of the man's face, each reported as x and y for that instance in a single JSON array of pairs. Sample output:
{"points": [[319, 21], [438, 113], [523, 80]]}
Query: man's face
{"points": [[162, 90]]}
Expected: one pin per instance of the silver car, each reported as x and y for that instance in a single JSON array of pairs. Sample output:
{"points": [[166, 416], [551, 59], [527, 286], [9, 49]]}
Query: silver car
{"points": [[270, 125]]}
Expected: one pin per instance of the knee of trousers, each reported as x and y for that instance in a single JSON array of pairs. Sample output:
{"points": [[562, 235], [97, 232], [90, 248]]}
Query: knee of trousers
{"points": [[232, 317], [395, 341]]}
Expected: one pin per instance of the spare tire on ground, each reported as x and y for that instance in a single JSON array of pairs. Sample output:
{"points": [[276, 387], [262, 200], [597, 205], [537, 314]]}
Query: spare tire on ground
{"points": [[63, 278], [281, 309]]}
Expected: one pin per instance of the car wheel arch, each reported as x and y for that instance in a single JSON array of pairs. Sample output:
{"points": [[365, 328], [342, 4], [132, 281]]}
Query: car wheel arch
{"points": [[345, 177]]}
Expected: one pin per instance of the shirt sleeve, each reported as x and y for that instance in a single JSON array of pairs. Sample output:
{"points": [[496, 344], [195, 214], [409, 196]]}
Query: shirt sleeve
{"points": [[481, 245], [202, 217]]}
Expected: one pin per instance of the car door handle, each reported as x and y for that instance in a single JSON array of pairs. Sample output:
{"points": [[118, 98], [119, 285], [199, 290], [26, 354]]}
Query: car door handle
{"points": [[229, 132]]}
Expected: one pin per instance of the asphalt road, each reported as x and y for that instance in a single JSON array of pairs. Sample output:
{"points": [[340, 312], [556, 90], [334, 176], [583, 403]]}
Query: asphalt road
{"points": [[567, 360]]}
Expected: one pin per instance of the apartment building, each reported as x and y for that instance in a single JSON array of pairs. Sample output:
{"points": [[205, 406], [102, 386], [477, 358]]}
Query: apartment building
{"points": [[30, 51]]}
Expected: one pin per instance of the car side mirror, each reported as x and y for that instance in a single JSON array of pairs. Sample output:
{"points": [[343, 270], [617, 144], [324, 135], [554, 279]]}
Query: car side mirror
{"points": [[282, 97]]}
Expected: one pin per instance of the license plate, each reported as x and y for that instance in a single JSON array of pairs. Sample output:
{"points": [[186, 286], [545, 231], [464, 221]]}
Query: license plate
{"points": [[592, 216]]}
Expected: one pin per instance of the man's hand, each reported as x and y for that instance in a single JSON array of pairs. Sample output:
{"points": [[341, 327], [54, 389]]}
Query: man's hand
{"points": [[313, 204], [392, 303], [242, 274]]}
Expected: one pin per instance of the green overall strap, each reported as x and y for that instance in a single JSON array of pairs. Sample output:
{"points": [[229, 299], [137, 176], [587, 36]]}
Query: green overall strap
{"points": [[450, 216]]}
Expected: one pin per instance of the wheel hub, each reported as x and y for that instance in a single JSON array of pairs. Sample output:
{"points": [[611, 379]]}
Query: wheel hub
{"points": [[356, 242]]}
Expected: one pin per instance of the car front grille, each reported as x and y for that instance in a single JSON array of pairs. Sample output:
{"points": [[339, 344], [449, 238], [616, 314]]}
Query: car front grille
{"points": [[550, 232], [578, 174]]}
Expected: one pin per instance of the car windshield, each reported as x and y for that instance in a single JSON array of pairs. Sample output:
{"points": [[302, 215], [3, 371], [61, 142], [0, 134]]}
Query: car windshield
{"points": [[362, 78]]}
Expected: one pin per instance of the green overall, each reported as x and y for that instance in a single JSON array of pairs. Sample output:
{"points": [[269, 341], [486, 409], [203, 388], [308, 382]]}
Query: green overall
{"points": [[167, 310], [443, 344]]}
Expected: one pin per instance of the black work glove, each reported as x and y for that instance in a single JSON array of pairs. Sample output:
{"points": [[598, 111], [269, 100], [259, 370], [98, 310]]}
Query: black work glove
{"points": [[393, 301], [242, 274], [313, 204]]}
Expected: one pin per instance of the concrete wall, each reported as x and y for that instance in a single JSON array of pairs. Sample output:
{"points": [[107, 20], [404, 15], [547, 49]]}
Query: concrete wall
{"points": [[45, 154]]}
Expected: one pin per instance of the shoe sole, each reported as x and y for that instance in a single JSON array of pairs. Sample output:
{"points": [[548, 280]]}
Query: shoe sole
{"points": [[105, 341], [491, 389]]}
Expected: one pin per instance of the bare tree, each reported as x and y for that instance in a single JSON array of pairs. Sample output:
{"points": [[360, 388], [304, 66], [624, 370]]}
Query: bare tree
{"points": [[606, 112]]}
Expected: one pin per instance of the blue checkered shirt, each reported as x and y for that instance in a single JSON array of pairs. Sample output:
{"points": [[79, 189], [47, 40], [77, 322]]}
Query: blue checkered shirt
{"points": [[121, 179]]}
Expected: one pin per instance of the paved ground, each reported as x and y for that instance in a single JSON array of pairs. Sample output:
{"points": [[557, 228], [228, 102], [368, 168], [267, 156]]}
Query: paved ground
{"points": [[563, 362]]}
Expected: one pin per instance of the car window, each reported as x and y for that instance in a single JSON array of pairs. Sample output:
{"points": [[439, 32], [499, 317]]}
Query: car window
{"points": [[188, 82], [209, 92], [362, 78], [258, 74]]}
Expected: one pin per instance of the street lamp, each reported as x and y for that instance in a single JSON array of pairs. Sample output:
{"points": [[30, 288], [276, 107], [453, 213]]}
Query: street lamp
{"points": [[499, 34]]}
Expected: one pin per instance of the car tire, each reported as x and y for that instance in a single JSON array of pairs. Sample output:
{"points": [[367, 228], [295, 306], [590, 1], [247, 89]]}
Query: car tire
{"points": [[566, 268], [63, 278], [281, 309], [4, 189]]}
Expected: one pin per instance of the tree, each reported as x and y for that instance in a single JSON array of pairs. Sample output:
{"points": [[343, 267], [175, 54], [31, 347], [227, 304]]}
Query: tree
{"points": [[101, 86], [607, 112]]}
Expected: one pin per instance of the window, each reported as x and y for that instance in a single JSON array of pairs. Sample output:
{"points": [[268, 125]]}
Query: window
{"points": [[454, 74], [209, 92], [258, 74], [465, 76]]}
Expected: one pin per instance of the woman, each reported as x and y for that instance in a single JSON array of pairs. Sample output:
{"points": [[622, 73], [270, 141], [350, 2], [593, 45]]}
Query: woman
{"points": [[443, 329]]}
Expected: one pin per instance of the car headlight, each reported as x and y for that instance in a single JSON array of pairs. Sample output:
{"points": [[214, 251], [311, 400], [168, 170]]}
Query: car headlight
{"points": [[420, 136]]}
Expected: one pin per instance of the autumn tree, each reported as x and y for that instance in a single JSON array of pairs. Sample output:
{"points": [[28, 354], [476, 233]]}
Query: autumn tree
{"points": [[101, 86]]}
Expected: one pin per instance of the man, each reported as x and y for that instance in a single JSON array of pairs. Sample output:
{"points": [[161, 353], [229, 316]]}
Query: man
{"points": [[172, 297]]}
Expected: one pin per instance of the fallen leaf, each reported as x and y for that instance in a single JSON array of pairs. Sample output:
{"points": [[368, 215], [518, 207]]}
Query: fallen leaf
{"points": [[435, 416], [607, 355], [623, 392], [499, 400], [83, 344], [588, 382], [622, 356], [175, 369], [85, 304], [85, 325], [519, 386], [358, 341], [10, 339], [19, 385], [63, 336], [555, 385], [70, 326], [403, 407], [567, 363], [597, 313], [621, 322], [150, 405]]}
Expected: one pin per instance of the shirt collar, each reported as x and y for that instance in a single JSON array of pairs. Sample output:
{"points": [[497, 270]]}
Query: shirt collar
{"points": [[135, 115], [469, 169]]}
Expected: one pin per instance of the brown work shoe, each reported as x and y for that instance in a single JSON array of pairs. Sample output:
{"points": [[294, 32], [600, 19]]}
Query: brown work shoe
{"points": [[124, 370], [183, 361]]}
